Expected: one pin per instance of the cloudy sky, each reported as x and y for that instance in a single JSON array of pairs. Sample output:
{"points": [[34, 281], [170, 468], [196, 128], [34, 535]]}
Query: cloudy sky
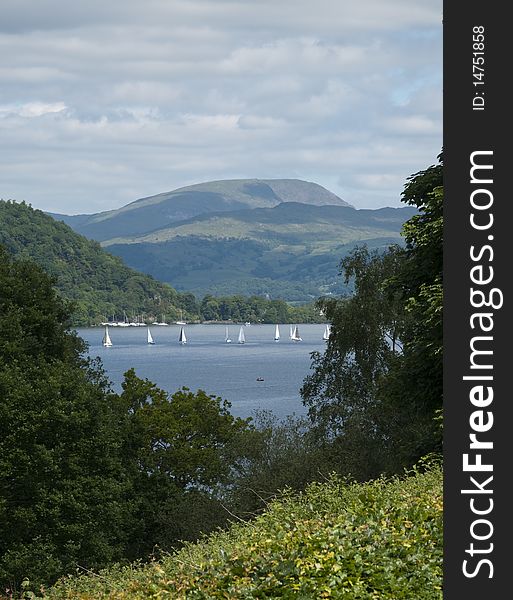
{"points": [[106, 101]]}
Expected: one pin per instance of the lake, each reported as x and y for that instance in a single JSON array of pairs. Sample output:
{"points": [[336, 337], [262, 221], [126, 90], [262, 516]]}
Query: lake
{"points": [[206, 362]]}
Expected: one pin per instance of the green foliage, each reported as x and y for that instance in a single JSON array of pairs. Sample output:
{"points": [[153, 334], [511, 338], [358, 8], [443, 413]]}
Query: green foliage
{"points": [[381, 539], [341, 393], [99, 284], [181, 450], [256, 309], [187, 436], [421, 279], [88, 477], [279, 454], [413, 388], [62, 488], [377, 389]]}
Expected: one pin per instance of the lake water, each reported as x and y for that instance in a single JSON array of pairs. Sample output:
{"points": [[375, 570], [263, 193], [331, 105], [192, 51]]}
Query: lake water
{"points": [[207, 362]]}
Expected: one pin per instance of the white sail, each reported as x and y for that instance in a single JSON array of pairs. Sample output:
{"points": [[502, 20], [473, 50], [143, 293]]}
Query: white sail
{"points": [[277, 333], [291, 332], [326, 334], [227, 336], [182, 339], [295, 336], [106, 337], [241, 339], [150, 338]]}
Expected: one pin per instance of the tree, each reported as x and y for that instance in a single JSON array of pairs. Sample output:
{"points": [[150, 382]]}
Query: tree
{"points": [[421, 278], [377, 389], [414, 388], [63, 492], [341, 393], [185, 448], [279, 454]]}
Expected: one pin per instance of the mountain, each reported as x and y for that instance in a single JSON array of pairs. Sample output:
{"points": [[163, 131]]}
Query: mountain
{"points": [[97, 282], [290, 251], [283, 238], [155, 212]]}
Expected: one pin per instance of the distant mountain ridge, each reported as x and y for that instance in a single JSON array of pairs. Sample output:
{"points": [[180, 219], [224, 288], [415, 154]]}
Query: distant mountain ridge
{"points": [[283, 238], [154, 212]]}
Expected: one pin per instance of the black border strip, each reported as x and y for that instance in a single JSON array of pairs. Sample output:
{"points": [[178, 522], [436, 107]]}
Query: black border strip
{"points": [[477, 121]]}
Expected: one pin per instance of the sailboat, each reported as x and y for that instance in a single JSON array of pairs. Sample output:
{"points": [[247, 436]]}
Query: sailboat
{"points": [[326, 333], [181, 321], [291, 332], [227, 337], [182, 339], [106, 338], [277, 333], [241, 339], [150, 338], [295, 336]]}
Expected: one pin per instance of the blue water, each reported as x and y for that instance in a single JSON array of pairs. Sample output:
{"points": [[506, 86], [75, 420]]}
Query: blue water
{"points": [[206, 362]]}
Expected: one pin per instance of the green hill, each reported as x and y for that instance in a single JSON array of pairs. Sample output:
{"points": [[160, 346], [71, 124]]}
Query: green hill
{"points": [[278, 237], [290, 251], [97, 282], [158, 211], [381, 539]]}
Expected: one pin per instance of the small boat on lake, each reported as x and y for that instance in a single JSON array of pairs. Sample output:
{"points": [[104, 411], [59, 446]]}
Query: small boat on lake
{"points": [[242, 337], [227, 336], [182, 338], [149, 337], [326, 334], [295, 335], [277, 333], [106, 338]]}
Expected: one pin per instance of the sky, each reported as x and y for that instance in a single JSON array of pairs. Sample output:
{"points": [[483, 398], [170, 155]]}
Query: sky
{"points": [[103, 102]]}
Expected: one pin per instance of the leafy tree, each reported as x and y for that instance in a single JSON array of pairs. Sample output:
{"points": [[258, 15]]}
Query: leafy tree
{"points": [[89, 477], [279, 454], [63, 492], [341, 393], [185, 448], [377, 389], [413, 389], [421, 278]]}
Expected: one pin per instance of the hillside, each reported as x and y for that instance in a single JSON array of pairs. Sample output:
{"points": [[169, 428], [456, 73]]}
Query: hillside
{"points": [[283, 238], [381, 539], [97, 282], [154, 212], [291, 250]]}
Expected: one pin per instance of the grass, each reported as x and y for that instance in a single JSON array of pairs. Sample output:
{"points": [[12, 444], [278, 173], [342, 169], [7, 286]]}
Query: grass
{"points": [[378, 540]]}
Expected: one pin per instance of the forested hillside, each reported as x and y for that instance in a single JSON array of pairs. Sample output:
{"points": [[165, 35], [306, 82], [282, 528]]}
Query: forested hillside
{"points": [[290, 251], [98, 283], [101, 286]]}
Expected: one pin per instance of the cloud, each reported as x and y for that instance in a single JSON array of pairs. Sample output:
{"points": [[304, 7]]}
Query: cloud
{"points": [[31, 109], [105, 102]]}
